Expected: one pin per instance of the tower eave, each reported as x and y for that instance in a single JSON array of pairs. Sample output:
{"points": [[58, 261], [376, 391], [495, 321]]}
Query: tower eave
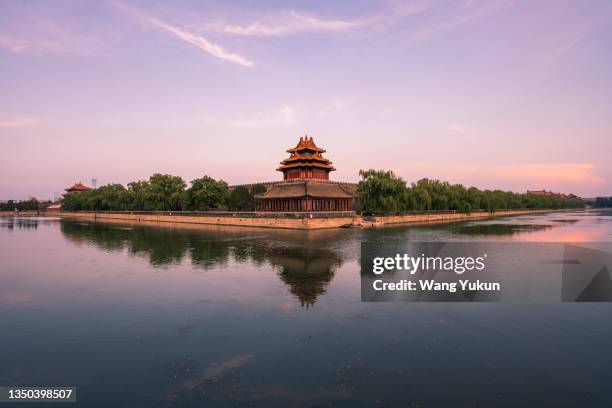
{"points": [[290, 168]]}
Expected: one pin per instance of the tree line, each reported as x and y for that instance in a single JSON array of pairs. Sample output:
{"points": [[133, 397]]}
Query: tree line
{"points": [[379, 191], [603, 202], [164, 192], [382, 191], [24, 205]]}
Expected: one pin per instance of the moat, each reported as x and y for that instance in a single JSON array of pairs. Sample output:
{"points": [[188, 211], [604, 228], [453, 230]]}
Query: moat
{"points": [[145, 316]]}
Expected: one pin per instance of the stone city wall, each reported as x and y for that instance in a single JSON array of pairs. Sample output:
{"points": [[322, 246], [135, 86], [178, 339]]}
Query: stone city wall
{"points": [[447, 216], [288, 222], [303, 221]]}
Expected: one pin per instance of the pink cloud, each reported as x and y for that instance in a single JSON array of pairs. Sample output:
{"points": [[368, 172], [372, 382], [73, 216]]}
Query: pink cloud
{"points": [[552, 173], [18, 122], [561, 177]]}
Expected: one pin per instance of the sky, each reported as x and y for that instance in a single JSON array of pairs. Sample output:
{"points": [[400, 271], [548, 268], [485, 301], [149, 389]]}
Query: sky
{"points": [[503, 94]]}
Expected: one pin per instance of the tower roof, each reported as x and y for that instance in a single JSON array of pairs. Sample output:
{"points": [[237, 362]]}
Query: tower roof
{"points": [[306, 154], [306, 143], [77, 187], [304, 189]]}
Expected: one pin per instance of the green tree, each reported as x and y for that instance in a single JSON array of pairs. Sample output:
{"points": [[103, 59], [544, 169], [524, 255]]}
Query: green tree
{"points": [[241, 199], [27, 205], [206, 194], [165, 192], [378, 191], [258, 189], [138, 196], [72, 202], [381, 191], [112, 197]]}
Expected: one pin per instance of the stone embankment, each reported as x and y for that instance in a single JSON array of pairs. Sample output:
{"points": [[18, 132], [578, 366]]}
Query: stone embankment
{"points": [[303, 221], [20, 213], [444, 216], [264, 220]]}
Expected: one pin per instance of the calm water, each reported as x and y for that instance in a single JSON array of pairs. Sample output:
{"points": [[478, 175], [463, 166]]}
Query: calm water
{"points": [[141, 316]]}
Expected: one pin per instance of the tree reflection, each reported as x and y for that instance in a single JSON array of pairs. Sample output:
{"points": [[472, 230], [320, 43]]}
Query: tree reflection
{"points": [[302, 260], [158, 247], [21, 223], [105, 237], [499, 229]]}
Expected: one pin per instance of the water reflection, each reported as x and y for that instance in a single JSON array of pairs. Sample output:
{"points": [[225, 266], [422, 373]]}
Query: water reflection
{"points": [[136, 316], [307, 271], [20, 223], [498, 229], [302, 262]]}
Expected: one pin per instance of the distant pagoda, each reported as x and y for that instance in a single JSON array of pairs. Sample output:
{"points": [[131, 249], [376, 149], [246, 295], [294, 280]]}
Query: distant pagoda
{"points": [[306, 185], [76, 188]]}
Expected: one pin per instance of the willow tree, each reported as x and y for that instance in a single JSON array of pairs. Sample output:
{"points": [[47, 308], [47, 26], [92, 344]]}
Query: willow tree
{"points": [[381, 191], [165, 192]]}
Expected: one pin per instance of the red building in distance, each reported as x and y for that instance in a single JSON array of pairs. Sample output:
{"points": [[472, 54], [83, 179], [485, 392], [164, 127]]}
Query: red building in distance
{"points": [[76, 188], [306, 185]]}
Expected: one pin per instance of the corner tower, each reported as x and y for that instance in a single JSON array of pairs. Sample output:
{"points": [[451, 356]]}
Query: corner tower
{"points": [[306, 162], [305, 185]]}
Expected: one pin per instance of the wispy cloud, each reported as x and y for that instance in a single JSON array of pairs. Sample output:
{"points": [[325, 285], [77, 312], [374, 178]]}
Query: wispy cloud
{"points": [[295, 22], [335, 106], [572, 36], [284, 116], [18, 122], [457, 128], [189, 37], [342, 103], [23, 46], [42, 36], [565, 45], [288, 23], [408, 8], [468, 12]]}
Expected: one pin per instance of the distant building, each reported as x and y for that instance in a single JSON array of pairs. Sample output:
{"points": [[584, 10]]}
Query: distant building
{"points": [[550, 193], [76, 188], [306, 185], [55, 207], [540, 192]]}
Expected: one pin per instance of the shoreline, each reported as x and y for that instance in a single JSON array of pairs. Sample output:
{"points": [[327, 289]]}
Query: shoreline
{"points": [[296, 221]]}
